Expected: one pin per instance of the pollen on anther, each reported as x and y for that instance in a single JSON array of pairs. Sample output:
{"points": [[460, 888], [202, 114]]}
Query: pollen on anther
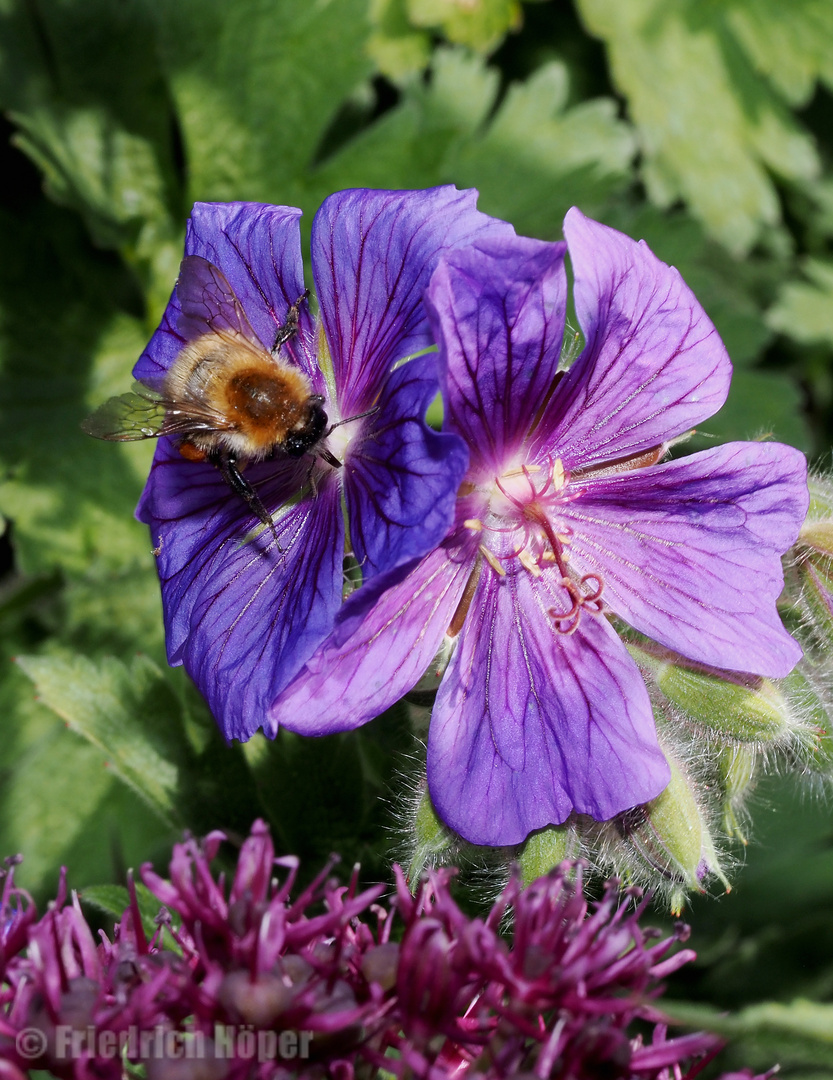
{"points": [[557, 474], [491, 560], [473, 524], [528, 563]]}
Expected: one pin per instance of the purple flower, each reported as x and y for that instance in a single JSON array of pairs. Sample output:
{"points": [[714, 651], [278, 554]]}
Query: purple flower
{"points": [[566, 515], [244, 616], [410, 985]]}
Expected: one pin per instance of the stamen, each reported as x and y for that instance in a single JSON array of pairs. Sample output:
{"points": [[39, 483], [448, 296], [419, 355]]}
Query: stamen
{"points": [[558, 477], [473, 524], [528, 563], [491, 560], [459, 616]]}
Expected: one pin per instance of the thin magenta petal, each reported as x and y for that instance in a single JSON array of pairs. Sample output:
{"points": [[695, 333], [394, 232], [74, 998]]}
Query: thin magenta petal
{"points": [[241, 615], [385, 637], [373, 253], [653, 365], [690, 551], [530, 725], [497, 310], [400, 476]]}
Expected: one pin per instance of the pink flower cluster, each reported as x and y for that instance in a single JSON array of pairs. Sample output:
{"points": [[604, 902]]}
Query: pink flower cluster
{"points": [[247, 982]]}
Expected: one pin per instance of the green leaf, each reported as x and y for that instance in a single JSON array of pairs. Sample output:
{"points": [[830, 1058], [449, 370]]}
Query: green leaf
{"points": [[396, 47], [128, 712], [709, 125], [59, 803], [114, 900], [71, 497], [804, 310], [256, 84], [479, 24], [531, 161], [85, 89]]}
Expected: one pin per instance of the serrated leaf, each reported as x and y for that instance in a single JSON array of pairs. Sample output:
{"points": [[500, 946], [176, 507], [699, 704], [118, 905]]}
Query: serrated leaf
{"points": [[128, 712], [709, 124], [790, 46], [530, 162]]}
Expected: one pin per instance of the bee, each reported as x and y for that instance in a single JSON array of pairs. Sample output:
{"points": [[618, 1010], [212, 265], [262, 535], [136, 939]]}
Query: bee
{"points": [[226, 398]]}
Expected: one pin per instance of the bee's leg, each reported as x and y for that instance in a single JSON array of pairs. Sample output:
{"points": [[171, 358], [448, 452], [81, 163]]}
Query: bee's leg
{"points": [[226, 462], [290, 327]]}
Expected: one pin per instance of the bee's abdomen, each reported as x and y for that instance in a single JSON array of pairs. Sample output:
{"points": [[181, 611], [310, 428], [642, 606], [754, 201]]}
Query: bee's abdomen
{"points": [[266, 404]]}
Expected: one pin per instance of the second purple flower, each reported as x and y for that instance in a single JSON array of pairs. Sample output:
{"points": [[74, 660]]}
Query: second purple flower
{"points": [[567, 514]]}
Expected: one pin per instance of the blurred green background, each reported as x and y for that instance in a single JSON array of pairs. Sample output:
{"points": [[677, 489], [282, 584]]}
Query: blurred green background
{"points": [[705, 126]]}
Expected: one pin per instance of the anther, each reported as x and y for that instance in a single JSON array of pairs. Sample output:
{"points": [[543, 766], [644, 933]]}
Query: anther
{"points": [[528, 563], [491, 560], [557, 474], [473, 524]]}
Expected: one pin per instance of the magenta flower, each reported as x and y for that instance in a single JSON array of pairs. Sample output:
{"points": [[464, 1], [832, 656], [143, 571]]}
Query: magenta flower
{"points": [[243, 616], [567, 514], [410, 987]]}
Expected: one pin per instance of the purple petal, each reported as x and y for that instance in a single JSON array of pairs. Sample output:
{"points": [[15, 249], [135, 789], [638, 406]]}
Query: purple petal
{"points": [[385, 637], [497, 311], [373, 253], [653, 366], [242, 617], [690, 551], [400, 476], [258, 249], [530, 724]]}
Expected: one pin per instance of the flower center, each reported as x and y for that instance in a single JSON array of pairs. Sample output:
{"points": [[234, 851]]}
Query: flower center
{"points": [[521, 528]]}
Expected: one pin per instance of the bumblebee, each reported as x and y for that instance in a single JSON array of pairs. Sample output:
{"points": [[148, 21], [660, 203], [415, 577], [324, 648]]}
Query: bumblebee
{"points": [[226, 398]]}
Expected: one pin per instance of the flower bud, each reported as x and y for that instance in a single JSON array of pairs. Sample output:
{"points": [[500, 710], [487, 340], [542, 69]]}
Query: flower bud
{"points": [[738, 767], [813, 751], [430, 838], [816, 575], [670, 836], [739, 708], [546, 849]]}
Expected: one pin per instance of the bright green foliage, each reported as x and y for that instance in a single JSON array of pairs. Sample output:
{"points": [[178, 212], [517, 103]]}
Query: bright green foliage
{"points": [[706, 94], [396, 47], [531, 158], [480, 24]]}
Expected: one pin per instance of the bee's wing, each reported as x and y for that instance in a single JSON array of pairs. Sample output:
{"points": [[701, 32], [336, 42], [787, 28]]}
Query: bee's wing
{"points": [[208, 302], [146, 414]]}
